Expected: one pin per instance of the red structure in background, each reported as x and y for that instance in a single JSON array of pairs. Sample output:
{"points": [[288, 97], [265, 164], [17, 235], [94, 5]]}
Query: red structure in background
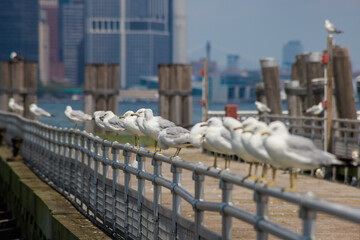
{"points": [[231, 111]]}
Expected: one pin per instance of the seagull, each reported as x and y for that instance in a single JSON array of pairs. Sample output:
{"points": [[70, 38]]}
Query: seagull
{"points": [[219, 138], [39, 112], [76, 116], [97, 119], [154, 125], [316, 109], [294, 152], [131, 125], [176, 137], [255, 146], [330, 28], [14, 57], [197, 139], [262, 107], [112, 122], [236, 129], [15, 107]]}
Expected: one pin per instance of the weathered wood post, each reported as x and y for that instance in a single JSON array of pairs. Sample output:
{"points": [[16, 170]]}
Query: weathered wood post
{"points": [[101, 91], [314, 69], [175, 93], [329, 93], [30, 87], [17, 80], [292, 98], [345, 97], [271, 79], [4, 85]]}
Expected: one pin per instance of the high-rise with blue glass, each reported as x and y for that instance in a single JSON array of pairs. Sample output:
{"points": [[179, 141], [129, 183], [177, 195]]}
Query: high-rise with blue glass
{"points": [[137, 34], [19, 30]]}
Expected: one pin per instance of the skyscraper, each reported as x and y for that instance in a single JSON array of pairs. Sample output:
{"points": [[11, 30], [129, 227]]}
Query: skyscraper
{"points": [[71, 23], [290, 50], [137, 34], [19, 29]]}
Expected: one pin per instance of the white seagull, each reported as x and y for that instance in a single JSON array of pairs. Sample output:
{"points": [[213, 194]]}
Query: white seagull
{"points": [[262, 107], [15, 107], [176, 137], [330, 28], [39, 112], [294, 152], [97, 119], [76, 116], [219, 138], [236, 129], [131, 125], [112, 122], [316, 109], [154, 125]]}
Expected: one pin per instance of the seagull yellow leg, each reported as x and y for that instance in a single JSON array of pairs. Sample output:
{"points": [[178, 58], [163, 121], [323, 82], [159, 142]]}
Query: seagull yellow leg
{"points": [[227, 162], [75, 126], [272, 183], [177, 152], [249, 174], [215, 162], [293, 181], [263, 174]]}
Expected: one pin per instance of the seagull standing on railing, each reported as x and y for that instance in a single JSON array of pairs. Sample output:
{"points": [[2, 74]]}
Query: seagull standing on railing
{"points": [[330, 28], [294, 152], [97, 119], [14, 107], [219, 138], [316, 109], [112, 122], [39, 112], [236, 129], [76, 116], [176, 137], [131, 125], [153, 125], [262, 107]]}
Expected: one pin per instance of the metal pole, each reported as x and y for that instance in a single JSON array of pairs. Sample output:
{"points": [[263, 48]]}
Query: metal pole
{"points": [[325, 112]]}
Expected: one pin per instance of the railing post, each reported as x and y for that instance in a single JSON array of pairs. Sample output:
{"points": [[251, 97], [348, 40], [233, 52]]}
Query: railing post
{"points": [[261, 213], [199, 196], [95, 180], [141, 189], [105, 151], [76, 172], [115, 154], [127, 178], [226, 200], [157, 195], [90, 157], [308, 217], [64, 142], [176, 199], [71, 151], [84, 155]]}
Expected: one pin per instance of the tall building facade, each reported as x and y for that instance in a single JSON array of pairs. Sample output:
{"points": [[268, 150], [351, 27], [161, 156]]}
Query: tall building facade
{"points": [[289, 51], [137, 34], [71, 24], [19, 29], [49, 10]]}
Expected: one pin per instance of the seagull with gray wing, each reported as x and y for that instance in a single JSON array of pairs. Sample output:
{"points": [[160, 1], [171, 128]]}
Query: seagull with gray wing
{"points": [[76, 116], [316, 109], [39, 112], [176, 137], [262, 107], [330, 28], [15, 107]]}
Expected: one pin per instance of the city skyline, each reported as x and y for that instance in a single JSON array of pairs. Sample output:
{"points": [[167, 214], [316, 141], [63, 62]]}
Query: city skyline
{"points": [[258, 29]]}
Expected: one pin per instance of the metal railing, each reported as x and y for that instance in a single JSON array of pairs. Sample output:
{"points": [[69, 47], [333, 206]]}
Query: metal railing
{"points": [[89, 172]]}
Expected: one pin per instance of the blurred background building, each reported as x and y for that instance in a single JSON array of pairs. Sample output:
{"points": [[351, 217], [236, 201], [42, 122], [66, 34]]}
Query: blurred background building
{"points": [[289, 51]]}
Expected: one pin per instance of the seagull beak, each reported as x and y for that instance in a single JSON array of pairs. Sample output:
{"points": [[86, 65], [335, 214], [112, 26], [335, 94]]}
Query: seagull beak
{"points": [[237, 128], [265, 133], [133, 114], [246, 131], [101, 118], [121, 117], [203, 125]]}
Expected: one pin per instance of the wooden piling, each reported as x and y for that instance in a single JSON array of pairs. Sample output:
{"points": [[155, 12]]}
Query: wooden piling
{"points": [[30, 86], [89, 98], [345, 97], [17, 80], [271, 79], [329, 91], [101, 84], [113, 83], [4, 85], [175, 101], [314, 69]]}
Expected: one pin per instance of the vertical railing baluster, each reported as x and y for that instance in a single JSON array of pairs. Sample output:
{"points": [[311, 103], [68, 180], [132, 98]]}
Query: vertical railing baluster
{"points": [[176, 199], [141, 189], [95, 180], [76, 172], [88, 171], [115, 154], [82, 174], [308, 217], [261, 213], [226, 200], [64, 142], [157, 194], [199, 196], [105, 157], [127, 179]]}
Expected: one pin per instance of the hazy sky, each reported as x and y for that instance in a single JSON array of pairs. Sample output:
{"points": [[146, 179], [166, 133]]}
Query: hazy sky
{"points": [[259, 28]]}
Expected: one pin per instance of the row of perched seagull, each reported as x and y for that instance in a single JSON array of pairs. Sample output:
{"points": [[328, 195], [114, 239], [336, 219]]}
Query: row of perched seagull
{"points": [[255, 142], [34, 109]]}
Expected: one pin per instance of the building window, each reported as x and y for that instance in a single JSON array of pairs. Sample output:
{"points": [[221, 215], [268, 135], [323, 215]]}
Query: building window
{"points": [[105, 25], [94, 25], [100, 25], [111, 25], [139, 25], [117, 25]]}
